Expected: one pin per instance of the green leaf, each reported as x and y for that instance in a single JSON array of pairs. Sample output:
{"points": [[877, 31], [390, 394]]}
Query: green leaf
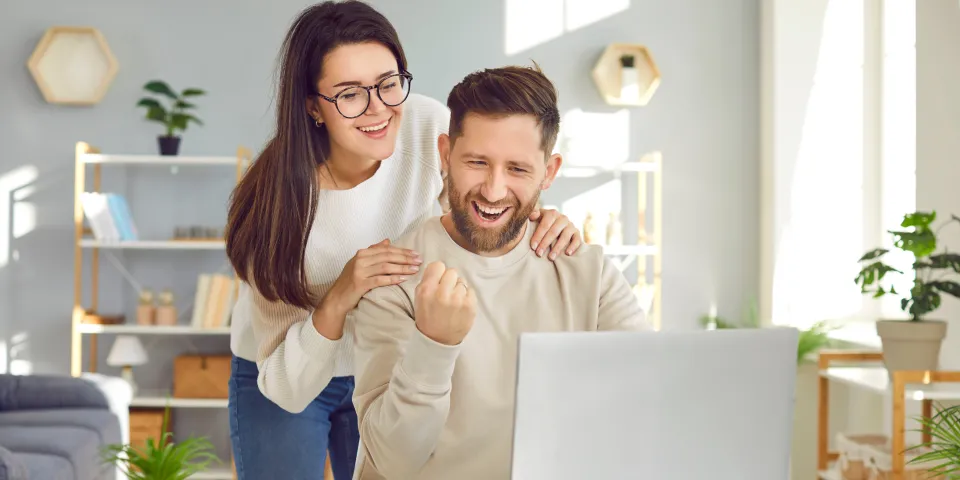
{"points": [[920, 243], [879, 293], [946, 260], [923, 300], [193, 92], [918, 219], [149, 103], [872, 254], [157, 114], [946, 286], [873, 273], [160, 87], [183, 105]]}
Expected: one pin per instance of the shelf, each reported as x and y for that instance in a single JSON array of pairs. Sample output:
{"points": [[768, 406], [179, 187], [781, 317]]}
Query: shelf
{"points": [[160, 160], [160, 399], [876, 379], [213, 474], [607, 75], [94, 329], [636, 250], [73, 65], [155, 244], [581, 171]]}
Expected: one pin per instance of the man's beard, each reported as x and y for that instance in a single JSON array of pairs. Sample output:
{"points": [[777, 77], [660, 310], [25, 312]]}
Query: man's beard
{"points": [[488, 239]]}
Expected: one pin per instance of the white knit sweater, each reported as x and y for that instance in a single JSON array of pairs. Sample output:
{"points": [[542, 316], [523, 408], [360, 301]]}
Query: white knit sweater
{"points": [[296, 363]]}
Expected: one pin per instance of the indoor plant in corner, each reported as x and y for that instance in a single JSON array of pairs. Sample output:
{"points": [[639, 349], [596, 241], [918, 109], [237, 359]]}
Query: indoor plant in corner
{"points": [[914, 343], [162, 459], [174, 117]]}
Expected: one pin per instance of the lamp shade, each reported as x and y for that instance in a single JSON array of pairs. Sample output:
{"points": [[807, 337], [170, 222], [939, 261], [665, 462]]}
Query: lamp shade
{"points": [[126, 351]]}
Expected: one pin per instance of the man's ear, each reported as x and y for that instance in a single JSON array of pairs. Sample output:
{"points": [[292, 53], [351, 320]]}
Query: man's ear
{"points": [[443, 145], [553, 166], [313, 109]]}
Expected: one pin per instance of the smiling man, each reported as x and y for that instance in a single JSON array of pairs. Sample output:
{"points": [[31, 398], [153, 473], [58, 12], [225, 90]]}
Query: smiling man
{"points": [[435, 356]]}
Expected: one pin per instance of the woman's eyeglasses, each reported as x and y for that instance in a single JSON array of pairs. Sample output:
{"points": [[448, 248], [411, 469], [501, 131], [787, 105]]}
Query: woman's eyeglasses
{"points": [[354, 101]]}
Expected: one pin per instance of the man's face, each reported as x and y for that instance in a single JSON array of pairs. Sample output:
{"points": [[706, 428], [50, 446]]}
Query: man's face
{"points": [[495, 172]]}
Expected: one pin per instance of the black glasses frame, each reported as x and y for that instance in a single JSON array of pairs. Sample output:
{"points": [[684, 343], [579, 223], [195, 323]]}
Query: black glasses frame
{"points": [[376, 87]]}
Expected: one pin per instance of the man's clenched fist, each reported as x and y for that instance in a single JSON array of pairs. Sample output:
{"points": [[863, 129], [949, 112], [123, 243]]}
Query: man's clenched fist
{"points": [[444, 307]]}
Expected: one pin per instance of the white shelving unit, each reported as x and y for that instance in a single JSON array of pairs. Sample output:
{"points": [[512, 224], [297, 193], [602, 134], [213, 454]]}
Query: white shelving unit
{"points": [[154, 244], [648, 245], [86, 157], [867, 373]]}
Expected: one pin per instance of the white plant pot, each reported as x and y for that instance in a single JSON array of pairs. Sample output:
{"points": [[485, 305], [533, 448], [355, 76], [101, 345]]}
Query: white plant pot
{"points": [[909, 345]]}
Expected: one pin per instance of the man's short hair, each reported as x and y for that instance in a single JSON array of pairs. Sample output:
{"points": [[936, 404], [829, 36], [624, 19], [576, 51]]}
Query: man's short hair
{"points": [[511, 90]]}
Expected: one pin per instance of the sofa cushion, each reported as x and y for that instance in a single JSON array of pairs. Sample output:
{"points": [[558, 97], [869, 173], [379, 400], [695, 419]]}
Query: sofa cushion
{"points": [[19, 392], [12, 466], [80, 446], [102, 422], [47, 467]]}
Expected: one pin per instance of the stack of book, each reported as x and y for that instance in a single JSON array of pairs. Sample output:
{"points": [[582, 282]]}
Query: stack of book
{"points": [[214, 300], [108, 215]]}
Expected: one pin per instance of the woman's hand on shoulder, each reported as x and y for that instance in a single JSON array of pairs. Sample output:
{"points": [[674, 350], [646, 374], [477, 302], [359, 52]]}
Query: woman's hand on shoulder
{"points": [[378, 265], [557, 230]]}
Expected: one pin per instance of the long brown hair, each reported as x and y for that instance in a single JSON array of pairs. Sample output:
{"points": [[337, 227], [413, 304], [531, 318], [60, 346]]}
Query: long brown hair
{"points": [[273, 206]]}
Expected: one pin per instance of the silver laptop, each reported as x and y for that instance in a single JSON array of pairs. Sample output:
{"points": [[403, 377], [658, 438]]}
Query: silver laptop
{"points": [[714, 405]]}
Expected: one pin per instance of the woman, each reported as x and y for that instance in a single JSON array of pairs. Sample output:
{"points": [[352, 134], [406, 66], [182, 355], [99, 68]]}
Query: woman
{"points": [[353, 163]]}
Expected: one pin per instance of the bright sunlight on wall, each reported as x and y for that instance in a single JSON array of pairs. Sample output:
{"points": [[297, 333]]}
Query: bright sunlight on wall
{"points": [[554, 18]]}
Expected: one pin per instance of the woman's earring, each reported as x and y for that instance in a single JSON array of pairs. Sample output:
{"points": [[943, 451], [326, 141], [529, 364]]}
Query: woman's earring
{"points": [[316, 121]]}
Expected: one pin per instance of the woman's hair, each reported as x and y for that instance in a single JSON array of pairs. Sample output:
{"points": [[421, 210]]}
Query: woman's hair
{"points": [[273, 206]]}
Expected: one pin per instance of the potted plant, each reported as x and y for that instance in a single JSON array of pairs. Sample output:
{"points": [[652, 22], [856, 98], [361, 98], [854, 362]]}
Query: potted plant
{"points": [[914, 343], [163, 459], [174, 117]]}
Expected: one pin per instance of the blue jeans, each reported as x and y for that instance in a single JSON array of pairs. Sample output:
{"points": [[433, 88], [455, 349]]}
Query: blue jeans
{"points": [[272, 443]]}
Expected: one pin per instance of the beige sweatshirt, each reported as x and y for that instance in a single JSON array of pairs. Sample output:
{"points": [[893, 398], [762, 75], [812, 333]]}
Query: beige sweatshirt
{"points": [[429, 411]]}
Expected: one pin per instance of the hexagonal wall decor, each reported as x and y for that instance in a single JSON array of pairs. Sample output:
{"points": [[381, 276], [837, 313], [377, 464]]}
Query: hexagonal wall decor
{"points": [[626, 75], [73, 65]]}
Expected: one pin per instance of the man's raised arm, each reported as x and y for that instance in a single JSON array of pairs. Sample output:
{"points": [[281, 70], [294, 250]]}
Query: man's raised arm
{"points": [[405, 354]]}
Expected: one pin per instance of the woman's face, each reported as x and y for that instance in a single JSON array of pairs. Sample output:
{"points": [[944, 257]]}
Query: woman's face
{"points": [[371, 135]]}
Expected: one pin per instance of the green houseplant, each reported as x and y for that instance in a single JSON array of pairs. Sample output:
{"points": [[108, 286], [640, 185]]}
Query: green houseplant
{"points": [[941, 455], [914, 343], [163, 459], [810, 341], [174, 117]]}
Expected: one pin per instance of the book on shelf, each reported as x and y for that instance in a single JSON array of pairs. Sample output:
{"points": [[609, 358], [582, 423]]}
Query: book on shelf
{"points": [[108, 215], [214, 300]]}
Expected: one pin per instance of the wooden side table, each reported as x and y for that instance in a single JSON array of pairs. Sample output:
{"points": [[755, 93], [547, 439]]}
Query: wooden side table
{"points": [[866, 374]]}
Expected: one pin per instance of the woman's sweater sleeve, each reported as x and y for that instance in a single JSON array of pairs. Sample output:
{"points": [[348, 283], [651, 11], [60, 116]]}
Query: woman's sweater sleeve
{"points": [[295, 361]]}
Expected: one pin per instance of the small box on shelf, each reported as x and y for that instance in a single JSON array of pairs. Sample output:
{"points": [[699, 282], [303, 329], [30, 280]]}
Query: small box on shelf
{"points": [[853, 458], [201, 376]]}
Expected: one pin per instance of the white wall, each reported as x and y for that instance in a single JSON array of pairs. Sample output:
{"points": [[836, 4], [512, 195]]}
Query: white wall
{"points": [[810, 163]]}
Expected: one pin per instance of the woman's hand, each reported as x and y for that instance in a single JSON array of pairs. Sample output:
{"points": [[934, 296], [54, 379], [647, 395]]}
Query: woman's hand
{"points": [[554, 228], [375, 266]]}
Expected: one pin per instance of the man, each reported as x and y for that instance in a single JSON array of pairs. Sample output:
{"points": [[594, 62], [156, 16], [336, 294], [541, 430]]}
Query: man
{"points": [[435, 356]]}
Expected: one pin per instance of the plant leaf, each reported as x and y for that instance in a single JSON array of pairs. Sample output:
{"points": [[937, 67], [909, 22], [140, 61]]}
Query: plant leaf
{"points": [[182, 105], [921, 243], [872, 254], [157, 114], [945, 260], [160, 87], [193, 92], [946, 286], [918, 219]]}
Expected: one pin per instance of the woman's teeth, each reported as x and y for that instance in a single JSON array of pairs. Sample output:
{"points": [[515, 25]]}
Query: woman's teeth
{"points": [[375, 128]]}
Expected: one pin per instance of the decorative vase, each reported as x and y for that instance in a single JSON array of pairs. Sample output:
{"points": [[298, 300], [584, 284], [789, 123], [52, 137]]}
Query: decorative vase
{"points": [[911, 345], [169, 145], [146, 310], [166, 311]]}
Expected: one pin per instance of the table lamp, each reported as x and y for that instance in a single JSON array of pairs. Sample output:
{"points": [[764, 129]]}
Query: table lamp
{"points": [[127, 352]]}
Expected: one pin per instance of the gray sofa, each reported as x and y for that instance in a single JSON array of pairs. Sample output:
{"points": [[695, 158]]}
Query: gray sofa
{"points": [[55, 427]]}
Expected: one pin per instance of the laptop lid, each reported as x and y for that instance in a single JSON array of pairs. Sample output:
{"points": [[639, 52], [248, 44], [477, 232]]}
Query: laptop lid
{"points": [[712, 405]]}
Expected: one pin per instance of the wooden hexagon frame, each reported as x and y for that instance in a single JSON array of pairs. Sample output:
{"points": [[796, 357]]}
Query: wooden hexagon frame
{"points": [[607, 74], [73, 65]]}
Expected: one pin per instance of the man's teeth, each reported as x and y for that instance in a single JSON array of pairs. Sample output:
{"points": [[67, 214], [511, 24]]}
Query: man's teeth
{"points": [[490, 211], [374, 128]]}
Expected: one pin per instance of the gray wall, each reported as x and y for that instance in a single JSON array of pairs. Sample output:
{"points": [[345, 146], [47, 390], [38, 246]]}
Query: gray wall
{"points": [[704, 119]]}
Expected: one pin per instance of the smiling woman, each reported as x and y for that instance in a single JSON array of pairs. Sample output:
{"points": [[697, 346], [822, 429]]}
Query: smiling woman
{"points": [[353, 164]]}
